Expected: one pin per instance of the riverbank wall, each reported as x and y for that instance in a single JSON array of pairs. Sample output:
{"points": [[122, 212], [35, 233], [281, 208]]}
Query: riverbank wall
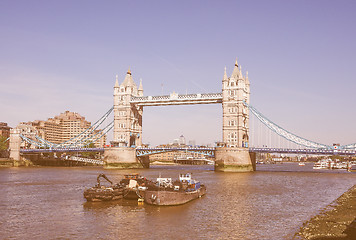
{"points": [[8, 162], [333, 220], [48, 162]]}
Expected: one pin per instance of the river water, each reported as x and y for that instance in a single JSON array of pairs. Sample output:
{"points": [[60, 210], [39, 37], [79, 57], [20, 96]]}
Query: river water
{"points": [[271, 203]]}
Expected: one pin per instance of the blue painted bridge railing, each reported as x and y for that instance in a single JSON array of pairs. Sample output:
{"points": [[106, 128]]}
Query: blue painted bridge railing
{"points": [[48, 150], [303, 151], [205, 151]]}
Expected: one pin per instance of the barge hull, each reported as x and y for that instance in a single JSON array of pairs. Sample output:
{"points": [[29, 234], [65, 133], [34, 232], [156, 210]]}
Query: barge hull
{"points": [[99, 195], [170, 198]]}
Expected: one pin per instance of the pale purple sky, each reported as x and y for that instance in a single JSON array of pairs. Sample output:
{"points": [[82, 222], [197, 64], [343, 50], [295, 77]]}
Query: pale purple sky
{"points": [[64, 55]]}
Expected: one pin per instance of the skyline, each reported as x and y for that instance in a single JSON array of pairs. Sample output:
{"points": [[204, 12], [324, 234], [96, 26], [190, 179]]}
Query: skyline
{"points": [[64, 55]]}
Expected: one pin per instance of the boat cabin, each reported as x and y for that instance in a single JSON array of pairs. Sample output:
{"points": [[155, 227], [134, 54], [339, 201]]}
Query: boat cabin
{"points": [[185, 177], [164, 182]]}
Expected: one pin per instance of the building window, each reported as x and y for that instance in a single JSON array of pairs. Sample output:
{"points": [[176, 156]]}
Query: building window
{"points": [[122, 113], [232, 137], [232, 110]]}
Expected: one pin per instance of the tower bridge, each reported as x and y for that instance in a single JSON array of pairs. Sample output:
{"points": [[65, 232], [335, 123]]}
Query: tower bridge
{"points": [[129, 102], [233, 154]]}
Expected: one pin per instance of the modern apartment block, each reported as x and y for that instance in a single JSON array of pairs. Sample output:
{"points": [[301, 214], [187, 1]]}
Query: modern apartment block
{"points": [[63, 127]]}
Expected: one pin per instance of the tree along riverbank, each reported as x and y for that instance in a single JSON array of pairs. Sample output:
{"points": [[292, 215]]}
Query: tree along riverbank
{"points": [[332, 221]]}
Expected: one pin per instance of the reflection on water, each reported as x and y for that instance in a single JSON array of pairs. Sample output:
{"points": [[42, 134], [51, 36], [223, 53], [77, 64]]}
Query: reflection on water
{"points": [[47, 203]]}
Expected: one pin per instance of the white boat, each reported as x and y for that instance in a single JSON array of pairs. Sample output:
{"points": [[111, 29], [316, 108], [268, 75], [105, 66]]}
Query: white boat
{"points": [[323, 164], [193, 160], [301, 164], [340, 165]]}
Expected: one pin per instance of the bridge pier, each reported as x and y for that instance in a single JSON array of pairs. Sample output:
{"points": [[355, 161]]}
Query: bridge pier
{"points": [[15, 142], [233, 159], [145, 161], [121, 158]]}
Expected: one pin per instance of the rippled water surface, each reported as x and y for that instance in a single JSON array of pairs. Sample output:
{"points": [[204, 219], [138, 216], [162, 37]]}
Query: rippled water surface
{"points": [[271, 203]]}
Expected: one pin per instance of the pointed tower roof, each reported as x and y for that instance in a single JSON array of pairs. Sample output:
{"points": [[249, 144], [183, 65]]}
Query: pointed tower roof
{"points": [[225, 76], [140, 87], [236, 73], [128, 81], [247, 81], [117, 81]]}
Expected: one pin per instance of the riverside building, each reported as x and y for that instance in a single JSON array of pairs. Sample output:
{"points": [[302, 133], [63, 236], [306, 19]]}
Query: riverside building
{"points": [[63, 127]]}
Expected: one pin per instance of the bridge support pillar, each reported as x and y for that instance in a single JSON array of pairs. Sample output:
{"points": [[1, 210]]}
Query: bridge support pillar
{"points": [[145, 161], [232, 159], [121, 158], [15, 142]]}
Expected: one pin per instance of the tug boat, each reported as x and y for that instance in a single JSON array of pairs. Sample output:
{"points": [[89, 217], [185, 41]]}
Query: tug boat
{"points": [[165, 192], [100, 193]]}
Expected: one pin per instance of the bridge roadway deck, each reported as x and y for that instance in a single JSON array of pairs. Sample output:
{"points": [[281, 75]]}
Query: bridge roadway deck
{"points": [[48, 150], [204, 151], [304, 151]]}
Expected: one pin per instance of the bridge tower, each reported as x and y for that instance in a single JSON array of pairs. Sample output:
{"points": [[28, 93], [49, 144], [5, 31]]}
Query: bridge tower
{"points": [[127, 125], [235, 90], [234, 155], [127, 116]]}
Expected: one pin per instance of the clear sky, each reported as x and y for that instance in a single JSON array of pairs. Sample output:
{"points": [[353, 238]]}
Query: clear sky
{"points": [[300, 55]]}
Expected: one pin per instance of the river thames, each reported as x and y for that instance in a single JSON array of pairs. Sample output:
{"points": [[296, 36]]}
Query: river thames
{"points": [[271, 203]]}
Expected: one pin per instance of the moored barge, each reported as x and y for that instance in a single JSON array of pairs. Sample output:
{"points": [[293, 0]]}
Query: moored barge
{"points": [[100, 193], [167, 193], [134, 186]]}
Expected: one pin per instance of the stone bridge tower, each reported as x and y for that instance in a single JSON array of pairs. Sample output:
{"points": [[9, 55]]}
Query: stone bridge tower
{"points": [[127, 116], [235, 91], [127, 127], [234, 155]]}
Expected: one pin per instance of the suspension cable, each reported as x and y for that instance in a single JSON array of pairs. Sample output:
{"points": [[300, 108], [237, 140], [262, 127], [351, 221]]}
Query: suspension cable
{"points": [[284, 133], [91, 129]]}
